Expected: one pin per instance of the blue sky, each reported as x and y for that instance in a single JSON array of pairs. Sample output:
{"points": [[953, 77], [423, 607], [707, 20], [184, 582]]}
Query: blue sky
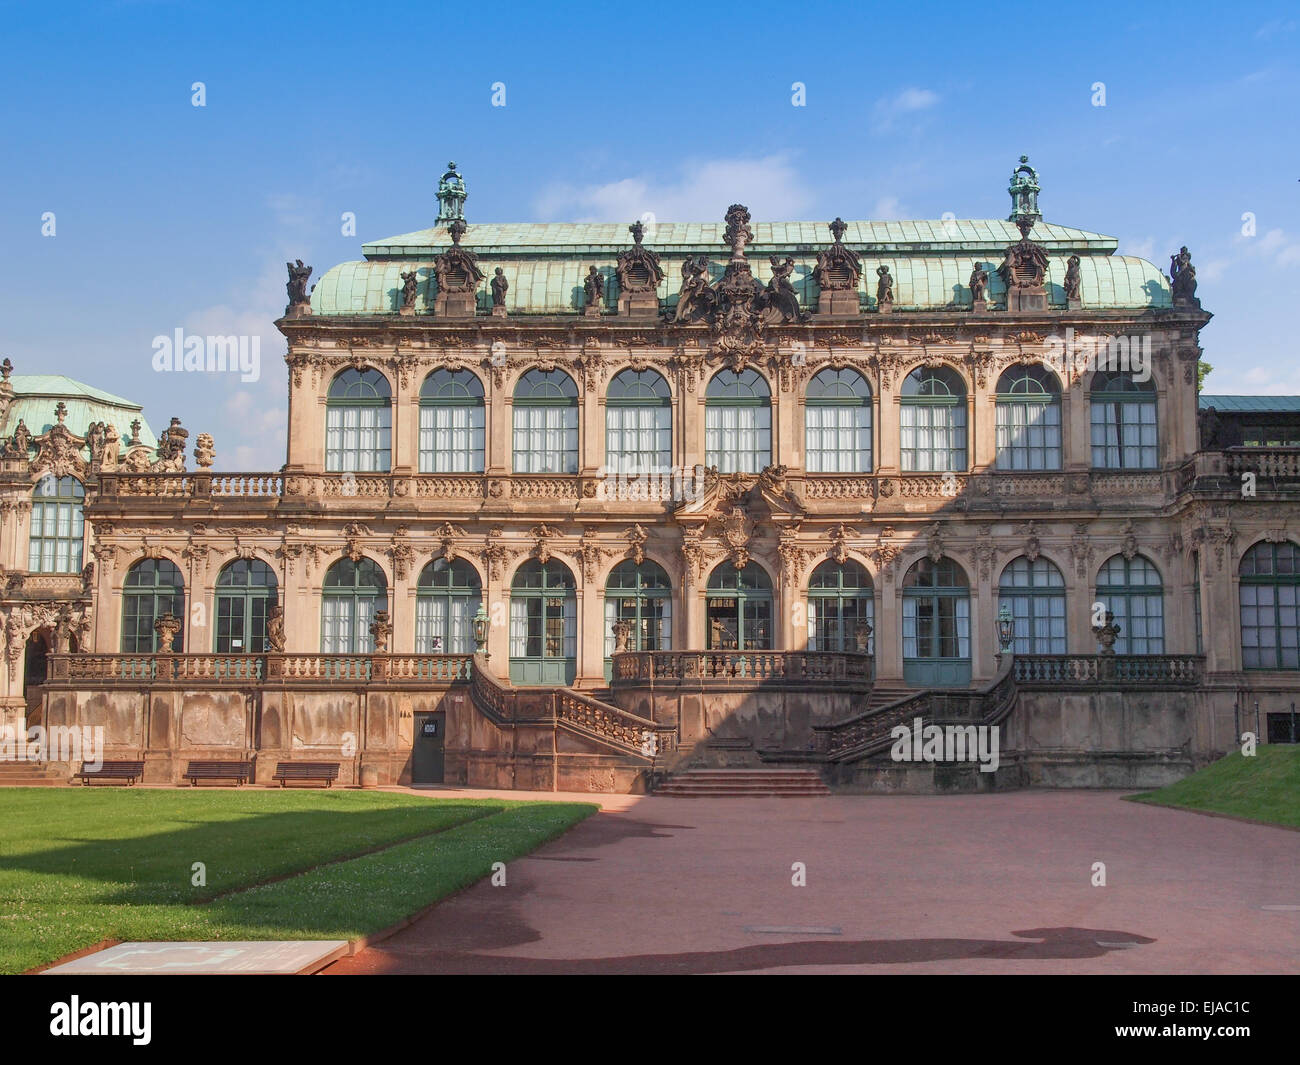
{"points": [[173, 216]]}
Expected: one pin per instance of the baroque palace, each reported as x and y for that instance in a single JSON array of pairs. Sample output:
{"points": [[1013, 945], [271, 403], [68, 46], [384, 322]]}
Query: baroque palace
{"points": [[575, 506]]}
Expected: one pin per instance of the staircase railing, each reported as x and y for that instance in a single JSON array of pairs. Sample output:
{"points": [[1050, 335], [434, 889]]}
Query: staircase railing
{"points": [[800, 669], [1109, 670]]}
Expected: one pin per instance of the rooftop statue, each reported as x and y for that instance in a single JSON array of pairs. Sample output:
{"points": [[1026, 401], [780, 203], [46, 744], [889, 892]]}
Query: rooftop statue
{"points": [[1182, 275], [594, 286], [1073, 278], [696, 296], [297, 286], [884, 287], [780, 294], [409, 283], [500, 286], [979, 283]]}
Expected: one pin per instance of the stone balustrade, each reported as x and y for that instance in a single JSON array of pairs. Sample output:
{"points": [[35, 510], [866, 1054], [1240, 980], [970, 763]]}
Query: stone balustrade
{"points": [[743, 668], [1050, 671], [308, 670]]}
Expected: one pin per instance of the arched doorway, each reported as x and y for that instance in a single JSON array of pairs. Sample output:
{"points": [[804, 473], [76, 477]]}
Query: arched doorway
{"points": [[936, 625], [35, 670], [739, 608], [641, 596], [448, 595], [246, 591], [841, 605], [543, 624]]}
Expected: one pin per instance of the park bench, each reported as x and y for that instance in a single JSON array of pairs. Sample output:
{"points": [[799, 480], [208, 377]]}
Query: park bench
{"points": [[239, 772], [128, 771], [287, 771]]}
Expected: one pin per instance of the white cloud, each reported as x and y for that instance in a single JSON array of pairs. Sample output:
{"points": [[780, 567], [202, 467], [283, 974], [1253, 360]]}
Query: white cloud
{"points": [[770, 187], [887, 209], [888, 110]]}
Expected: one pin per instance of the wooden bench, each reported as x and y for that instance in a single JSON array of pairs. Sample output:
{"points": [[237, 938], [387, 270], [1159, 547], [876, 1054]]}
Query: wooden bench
{"points": [[128, 771], [239, 772], [287, 771]]}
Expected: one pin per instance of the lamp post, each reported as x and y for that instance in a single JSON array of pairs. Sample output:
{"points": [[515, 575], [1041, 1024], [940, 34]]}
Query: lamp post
{"points": [[481, 632], [1006, 631]]}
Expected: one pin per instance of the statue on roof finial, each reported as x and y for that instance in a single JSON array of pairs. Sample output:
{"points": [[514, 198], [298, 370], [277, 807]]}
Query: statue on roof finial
{"points": [[299, 297], [6, 368], [838, 229], [457, 230], [637, 230], [738, 233], [451, 197], [1182, 276], [1024, 191]]}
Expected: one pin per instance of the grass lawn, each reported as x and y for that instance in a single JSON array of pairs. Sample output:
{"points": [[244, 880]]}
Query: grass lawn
{"points": [[1264, 788], [78, 866]]}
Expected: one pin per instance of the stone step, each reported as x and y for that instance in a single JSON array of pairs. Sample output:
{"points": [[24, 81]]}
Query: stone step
{"points": [[744, 783]]}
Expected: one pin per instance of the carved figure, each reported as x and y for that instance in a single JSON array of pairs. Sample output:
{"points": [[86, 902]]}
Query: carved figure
{"points": [[1182, 275], [297, 286], [1072, 278], [594, 285], [979, 283], [500, 286], [409, 283], [885, 286]]}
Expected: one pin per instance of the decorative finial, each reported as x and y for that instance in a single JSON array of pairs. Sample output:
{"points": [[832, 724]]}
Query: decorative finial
{"points": [[451, 197], [1024, 191], [6, 368], [636, 229], [457, 230], [60, 411], [135, 432], [738, 233], [838, 228]]}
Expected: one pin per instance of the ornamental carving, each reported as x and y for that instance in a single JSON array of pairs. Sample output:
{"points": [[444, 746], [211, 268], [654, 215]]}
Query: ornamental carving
{"points": [[792, 556], [591, 364], [354, 532], [934, 547], [457, 269], [693, 555], [543, 534], [636, 538], [58, 451], [689, 365], [638, 268], [986, 554], [448, 536], [494, 553], [401, 553], [884, 555], [289, 555], [839, 549], [1032, 545], [736, 533], [1081, 550], [591, 553], [1129, 542], [838, 268]]}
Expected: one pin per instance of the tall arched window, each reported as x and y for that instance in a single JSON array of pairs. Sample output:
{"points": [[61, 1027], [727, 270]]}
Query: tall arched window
{"points": [[840, 604], [350, 597], [1035, 591], [837, 414], [1196, 601], [932, 416], [738, 422], [447, 597], [936, 624], [546, 423], [543, 624], [246, 591], [1270, 606], [153, 587], [1028, 419], [359, 423], [642, 597], [1123, 416], [58, 528], [451, 422], [1131, 590], [638, 423], [739, 608]]}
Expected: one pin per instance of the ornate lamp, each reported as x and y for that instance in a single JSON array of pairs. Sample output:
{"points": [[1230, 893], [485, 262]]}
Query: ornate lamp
{"points": [[1006, 629], [481, 632]]}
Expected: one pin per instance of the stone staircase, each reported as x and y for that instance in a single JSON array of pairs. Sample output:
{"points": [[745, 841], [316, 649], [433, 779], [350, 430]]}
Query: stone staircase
{"points": [[883, 695], [30, 775], [744, 783]]}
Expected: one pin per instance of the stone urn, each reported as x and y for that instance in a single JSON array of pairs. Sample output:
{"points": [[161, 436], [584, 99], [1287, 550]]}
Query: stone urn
{"points": [[1107, 634], [622, 631], [166, 627], [862, 637]]}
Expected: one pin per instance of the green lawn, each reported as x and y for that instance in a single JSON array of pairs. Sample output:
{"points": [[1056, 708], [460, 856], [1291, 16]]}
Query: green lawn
{"points": [[1265, 787], [82, 865]]}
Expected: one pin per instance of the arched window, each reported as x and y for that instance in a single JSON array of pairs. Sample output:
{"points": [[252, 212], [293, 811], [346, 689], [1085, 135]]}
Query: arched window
{"points": [[841, 607], [451, 423], [58, 528], [350, 597], [638, 423], [1028, 419], [543, 624], [447, 597], [837, 414], [936, 624], [738, 422], [153, 587], [739, 608], [546, 423], [641, 596], [359, 423], [1131, 590], [1270, 606], [246, 591], [1123, 415], [932, 416], [1035, 591]]}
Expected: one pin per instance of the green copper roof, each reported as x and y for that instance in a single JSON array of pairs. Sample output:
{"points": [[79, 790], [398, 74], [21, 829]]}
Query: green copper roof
{"points": [[986, 236], [552, 284], [35, 396], [1252, 404]]}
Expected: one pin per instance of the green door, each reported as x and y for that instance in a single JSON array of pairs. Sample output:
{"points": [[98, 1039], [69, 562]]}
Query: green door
{"points": [[739, 608], [936, 625], [641, 597], [543, 624]]}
